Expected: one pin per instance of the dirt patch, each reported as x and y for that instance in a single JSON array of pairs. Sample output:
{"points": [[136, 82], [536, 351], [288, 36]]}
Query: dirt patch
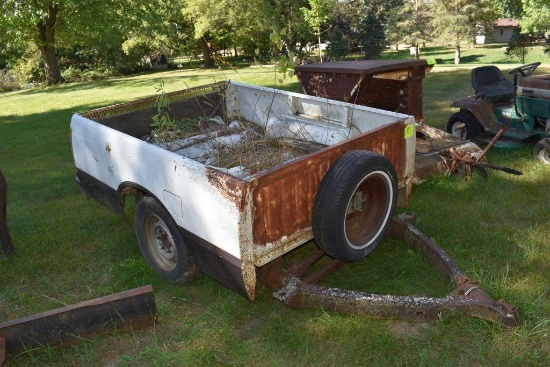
{"points": [[253, 328], [405, 330]]}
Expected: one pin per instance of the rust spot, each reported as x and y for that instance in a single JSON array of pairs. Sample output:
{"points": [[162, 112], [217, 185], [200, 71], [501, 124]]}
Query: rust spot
{"points": [[230, 187], [108, 148]]}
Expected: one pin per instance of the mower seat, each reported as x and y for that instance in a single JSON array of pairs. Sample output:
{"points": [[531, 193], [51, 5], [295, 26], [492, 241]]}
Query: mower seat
{"points": [[489, 82]]}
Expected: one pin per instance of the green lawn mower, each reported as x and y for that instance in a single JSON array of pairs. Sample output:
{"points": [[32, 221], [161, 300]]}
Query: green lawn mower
{"points": [[515, 113]]}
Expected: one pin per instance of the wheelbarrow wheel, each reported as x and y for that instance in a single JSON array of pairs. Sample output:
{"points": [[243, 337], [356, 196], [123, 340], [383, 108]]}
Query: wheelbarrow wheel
{"points": [[354, 205], [541, 151], [161, 242], [463, 124]]}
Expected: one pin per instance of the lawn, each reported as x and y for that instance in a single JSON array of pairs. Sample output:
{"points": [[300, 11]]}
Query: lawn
{"points": [[70, 249]]}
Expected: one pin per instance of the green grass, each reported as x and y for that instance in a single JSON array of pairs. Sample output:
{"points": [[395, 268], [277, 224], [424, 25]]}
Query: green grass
{"points": [[69, 249], [481, 54]]}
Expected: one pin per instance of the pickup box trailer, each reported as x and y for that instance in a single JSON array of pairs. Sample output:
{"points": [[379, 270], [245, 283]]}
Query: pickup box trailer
{"points": [[336, 172], [230, 220]]}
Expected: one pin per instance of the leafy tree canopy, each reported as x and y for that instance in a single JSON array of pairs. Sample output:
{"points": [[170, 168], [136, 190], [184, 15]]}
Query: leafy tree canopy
{"points": [[536, 17]]}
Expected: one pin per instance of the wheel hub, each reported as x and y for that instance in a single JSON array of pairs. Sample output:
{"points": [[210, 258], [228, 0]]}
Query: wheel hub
{"points": [[161, 243]]}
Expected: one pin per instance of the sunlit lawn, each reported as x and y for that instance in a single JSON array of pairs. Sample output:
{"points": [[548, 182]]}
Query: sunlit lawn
{"points": [[70, 249]]}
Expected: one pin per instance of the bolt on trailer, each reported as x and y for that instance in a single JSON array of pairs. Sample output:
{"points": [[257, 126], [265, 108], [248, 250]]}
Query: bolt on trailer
{"points": [[252, 174]]}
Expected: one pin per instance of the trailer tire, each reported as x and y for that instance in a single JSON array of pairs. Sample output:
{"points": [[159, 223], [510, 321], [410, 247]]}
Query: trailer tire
{"points": [[354, 205], [541, 151], [161, 242], [464, 124]]}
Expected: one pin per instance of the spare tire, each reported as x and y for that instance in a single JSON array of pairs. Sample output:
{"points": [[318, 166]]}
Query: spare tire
{"points": [[354, 205]]}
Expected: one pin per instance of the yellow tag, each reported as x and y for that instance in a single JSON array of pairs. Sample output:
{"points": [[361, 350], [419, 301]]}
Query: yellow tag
{"points": [[409, 131]]}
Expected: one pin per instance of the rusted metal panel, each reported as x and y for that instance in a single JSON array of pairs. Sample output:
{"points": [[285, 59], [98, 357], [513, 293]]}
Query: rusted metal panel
{"points": [[283, 198], [121, 311], [391, 85], [5, 239], [230, 187], [467, 297]]}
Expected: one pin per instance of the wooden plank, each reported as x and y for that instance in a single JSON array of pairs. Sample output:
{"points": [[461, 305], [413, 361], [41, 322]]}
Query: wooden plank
{"points": [[2, 349], [122, 311]]}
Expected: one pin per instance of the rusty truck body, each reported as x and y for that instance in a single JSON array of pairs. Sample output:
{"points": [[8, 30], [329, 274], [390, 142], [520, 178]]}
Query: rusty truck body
{"points": [[228, 221]]}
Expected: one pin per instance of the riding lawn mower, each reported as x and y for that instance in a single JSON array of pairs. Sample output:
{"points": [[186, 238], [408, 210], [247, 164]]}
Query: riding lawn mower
{"points": [[518, 112]]}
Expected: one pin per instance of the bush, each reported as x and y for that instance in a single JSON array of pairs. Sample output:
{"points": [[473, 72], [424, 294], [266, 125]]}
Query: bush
{"points": [[8, 82], [28, 69], [73, 74]]}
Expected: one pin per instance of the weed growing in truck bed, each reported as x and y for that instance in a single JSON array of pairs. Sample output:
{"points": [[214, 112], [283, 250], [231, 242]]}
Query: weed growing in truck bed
{"points": [[240, 148]]}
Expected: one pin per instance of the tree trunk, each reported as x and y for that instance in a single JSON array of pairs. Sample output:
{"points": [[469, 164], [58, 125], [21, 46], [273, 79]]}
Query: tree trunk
{"points": [[457, 55], [46, 44], [319, 43], [207, 57]]}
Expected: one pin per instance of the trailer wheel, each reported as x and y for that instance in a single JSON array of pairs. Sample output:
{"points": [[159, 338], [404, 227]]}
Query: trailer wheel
{"points": [[354, 205], [464, 125], [541, 151], [161, 242]]}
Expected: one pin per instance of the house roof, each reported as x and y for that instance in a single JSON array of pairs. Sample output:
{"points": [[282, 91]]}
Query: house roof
{"points": [[506, 23]]}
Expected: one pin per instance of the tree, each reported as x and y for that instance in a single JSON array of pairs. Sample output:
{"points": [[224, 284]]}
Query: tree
{"points": [[319, 12], [371, 37], [536, 17], [413, 23], [246, 23], [50, 23], [338, 47], [394, 33], [519, 44], [458, 20], [510, 8]]}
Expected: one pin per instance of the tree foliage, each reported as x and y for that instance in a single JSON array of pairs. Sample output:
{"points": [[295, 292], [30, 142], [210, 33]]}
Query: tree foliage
{"points": [[371, 37], [519, 45], [536, 17], [413, 24], [338, 47], [51, 25], [510, 8], [316, 16], [43, 38]]}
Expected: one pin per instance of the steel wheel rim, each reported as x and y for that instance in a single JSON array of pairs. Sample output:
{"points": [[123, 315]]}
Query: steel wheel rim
{"points": [[544, 155], [459, 129], [368, 210], [161, 243]]}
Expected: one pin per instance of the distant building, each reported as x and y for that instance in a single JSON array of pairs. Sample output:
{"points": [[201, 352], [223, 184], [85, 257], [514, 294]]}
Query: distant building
{"points": [[502, 32]]}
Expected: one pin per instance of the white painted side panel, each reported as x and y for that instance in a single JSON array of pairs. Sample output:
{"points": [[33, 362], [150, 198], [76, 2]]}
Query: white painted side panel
{"points": [[259, 104], [114, 157]]}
